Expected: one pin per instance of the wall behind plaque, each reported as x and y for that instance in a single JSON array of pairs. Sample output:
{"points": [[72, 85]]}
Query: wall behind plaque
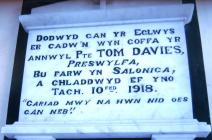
{"points": [[204, 11], [9, 12], [79, 5]]}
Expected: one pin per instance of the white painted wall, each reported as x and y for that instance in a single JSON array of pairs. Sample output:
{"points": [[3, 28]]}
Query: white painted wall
{"points": [[9, 11], [82, 5], [204, 10]]}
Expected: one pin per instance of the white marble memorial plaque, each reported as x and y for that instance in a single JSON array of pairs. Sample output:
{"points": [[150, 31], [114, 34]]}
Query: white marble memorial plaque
{"points": [[110, 72], [107, 73]]}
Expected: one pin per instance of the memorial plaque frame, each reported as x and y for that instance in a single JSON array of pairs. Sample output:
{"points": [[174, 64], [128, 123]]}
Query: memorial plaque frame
{"points": [[195, 58]]}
